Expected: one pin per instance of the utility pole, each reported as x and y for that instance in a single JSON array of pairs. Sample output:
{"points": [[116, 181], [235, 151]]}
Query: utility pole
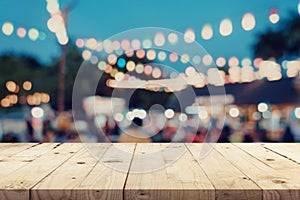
{"points": [[58, 25], [62, 80]]}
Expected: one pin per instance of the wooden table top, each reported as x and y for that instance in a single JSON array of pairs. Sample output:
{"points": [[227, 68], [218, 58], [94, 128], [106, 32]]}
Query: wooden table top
{"points": [[149, 171]]}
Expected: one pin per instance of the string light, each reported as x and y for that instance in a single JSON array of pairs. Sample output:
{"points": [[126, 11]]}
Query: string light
{"points": [[274, 16], [248, 22], [207, 32], [7, 28], [226, 27]]}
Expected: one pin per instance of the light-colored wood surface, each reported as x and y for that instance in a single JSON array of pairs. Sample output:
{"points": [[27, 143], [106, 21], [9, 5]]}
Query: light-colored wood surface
{"points": [[149, 171]]}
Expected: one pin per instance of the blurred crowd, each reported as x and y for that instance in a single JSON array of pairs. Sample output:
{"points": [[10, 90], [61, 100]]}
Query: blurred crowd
{"points": [[63, 128]]}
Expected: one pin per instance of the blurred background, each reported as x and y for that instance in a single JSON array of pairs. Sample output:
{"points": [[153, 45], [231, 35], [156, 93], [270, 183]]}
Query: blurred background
{"points": [[254, 47]]}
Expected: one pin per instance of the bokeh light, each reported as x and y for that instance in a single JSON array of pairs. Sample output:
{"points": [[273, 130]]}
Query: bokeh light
{"points": [[91, 43], [116, 45], [173, 57], [11, 86], [52, 6], [33, 34], [246, 62], [196, 60], [159, 39], [45, 98], [257, 61], [5, 103], [169, 113], [27, 85], [172, 38], [207, 32], [37, 112], [107, 46], [86, 54], [147, 44], [297, 112], [7, 28], [139, 68], [156, 73], [119, 76], [121, 62], [140, 54], [202, 114], [148, 70], [80, 43], [225, 27], [190, 71], [234, 74], [234, 112], [184, 58], [136, 44], [189, 36], [129, 53], [247, 74], [21, 32], [130, 66], [274, 16], [162, 56], [125, 44], [119, 117], [94, 60], [102, 65], [112, 59], [55, 23], [182, 117], [42, 36], [233, 61], [248, 22], [207, 60], [262, 107], [151, 54], [221, 62]]}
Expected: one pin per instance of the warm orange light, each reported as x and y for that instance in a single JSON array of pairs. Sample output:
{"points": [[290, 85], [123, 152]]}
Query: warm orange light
{"points": [[140, 54], [5, 103], [151, 54], [27, 85], [11, 86]]}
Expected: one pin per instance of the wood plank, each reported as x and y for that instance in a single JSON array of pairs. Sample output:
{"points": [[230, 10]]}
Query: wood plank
{"points": [[10, 149], [107, 179], [275, 184], [288, 150], [17, 185], [229, 181], [11, 163], [272, 159], [163, 175], [64, 181]]}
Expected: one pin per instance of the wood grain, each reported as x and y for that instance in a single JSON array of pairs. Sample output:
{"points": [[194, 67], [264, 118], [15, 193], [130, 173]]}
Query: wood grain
{"points": [[17, 185], [149, 171], [229, 181], [275, 184], [161, 175]]}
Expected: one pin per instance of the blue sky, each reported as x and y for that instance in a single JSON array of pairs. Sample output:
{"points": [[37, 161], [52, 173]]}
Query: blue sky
{"points": [[101, 19]]}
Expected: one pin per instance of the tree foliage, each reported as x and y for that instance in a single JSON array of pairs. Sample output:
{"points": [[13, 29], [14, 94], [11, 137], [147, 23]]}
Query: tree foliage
{"points": [[279, 43]]}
